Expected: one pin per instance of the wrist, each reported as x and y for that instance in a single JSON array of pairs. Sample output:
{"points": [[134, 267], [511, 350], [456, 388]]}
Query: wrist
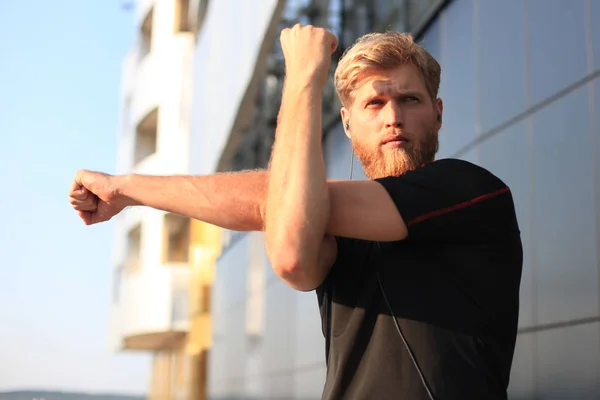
{"points": [[122, 186], [299, 85]]}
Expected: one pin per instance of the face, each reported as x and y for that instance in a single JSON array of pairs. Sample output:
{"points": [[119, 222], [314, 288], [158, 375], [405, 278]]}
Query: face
{"points": [[393, 122]]}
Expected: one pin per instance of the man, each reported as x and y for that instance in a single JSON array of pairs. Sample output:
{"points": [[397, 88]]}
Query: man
{"points": [[417, 270]]}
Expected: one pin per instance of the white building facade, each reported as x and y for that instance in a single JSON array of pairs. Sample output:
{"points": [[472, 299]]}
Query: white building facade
{"points": [[151, 254]]}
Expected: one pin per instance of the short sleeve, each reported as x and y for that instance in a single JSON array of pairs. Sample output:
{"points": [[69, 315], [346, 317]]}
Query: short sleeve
{"points": [[352, 256], [351, 262], [452, 198]]}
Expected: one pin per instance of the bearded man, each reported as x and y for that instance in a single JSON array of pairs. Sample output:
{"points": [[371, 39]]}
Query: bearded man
{"points": [[416, 270]]}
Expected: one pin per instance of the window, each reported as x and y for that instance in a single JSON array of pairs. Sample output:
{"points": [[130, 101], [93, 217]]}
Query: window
{"points": [[177, 238], [205, 299], [182, 16], [134, 249], [145, 39], [146, 136]]}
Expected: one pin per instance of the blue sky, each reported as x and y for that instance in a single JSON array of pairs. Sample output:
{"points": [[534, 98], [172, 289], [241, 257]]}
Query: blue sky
{"points": [[60, 66]]}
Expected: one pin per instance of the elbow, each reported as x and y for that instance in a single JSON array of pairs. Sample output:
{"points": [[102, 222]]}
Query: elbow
{"points": [[294, 271]]}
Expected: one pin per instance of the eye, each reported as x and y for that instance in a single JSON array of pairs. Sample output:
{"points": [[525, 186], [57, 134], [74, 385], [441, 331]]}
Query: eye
{"points": [[410, 99], [374, 102]]}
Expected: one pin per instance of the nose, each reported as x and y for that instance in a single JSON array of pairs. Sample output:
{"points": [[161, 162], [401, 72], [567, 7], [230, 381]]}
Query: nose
{"points": [[394, 116]]}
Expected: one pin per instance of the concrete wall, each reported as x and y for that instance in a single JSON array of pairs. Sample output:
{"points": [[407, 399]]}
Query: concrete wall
{"points": [[150, 301]]}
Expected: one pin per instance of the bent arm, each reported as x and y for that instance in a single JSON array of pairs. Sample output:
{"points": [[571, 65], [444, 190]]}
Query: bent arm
{"points": [[298, 197]]}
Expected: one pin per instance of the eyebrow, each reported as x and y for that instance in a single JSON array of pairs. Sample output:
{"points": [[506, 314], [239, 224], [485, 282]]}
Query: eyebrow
{"points": [[389, 89]]}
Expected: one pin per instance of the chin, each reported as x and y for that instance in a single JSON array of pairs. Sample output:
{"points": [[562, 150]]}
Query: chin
{"points": [[391, 161], [397, 167]]}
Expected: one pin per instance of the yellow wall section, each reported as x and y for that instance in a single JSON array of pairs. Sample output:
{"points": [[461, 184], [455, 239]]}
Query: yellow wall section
{"points": [[205, 247], [179, 372]]}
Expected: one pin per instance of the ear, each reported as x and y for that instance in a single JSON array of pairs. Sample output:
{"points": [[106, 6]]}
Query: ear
{"points": [[346, 121], [439, 109]]}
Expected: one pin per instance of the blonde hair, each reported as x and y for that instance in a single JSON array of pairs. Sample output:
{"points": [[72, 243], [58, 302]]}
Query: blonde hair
{"points": [[382, 51]]}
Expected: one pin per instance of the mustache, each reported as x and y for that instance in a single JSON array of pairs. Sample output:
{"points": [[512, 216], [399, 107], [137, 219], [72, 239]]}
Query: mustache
{"points": [[396, 136]]}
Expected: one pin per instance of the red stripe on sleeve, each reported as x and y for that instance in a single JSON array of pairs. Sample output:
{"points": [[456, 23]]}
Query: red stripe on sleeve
{"points": [[458, 206]]}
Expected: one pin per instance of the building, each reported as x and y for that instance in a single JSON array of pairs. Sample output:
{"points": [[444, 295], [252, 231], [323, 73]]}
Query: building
{"points": [[519, 83], [163, 262]]}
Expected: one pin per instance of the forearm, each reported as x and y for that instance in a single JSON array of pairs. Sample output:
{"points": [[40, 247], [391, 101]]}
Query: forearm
{"points": [[298, 199], [230, 200]]}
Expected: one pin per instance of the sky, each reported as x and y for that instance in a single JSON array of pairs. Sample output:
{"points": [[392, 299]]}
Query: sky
{"points": [[60, 66]]}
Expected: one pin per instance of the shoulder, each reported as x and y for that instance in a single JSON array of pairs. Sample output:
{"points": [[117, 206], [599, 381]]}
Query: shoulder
{"points": [[458, 166], [459, 170], [462, 179], [457, 180], [450, 195]]}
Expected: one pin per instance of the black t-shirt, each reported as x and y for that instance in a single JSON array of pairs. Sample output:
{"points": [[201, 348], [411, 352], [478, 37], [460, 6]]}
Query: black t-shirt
{"points": [[452, 284]]}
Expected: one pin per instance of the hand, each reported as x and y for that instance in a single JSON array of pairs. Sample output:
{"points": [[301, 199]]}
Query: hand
{"points": [[95, 197], [307, 51]]}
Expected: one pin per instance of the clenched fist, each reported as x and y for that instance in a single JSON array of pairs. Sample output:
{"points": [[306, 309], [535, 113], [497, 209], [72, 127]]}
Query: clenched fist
{"points": [[307, 51], [94, 196]]}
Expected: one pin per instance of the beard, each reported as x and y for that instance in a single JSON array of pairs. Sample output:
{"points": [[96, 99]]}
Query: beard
{"points": [[397, 161]]}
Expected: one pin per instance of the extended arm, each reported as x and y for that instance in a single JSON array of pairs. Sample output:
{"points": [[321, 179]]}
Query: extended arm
{"points": [[359, 209], [233, 201], [230, 200], [236, 201]]}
